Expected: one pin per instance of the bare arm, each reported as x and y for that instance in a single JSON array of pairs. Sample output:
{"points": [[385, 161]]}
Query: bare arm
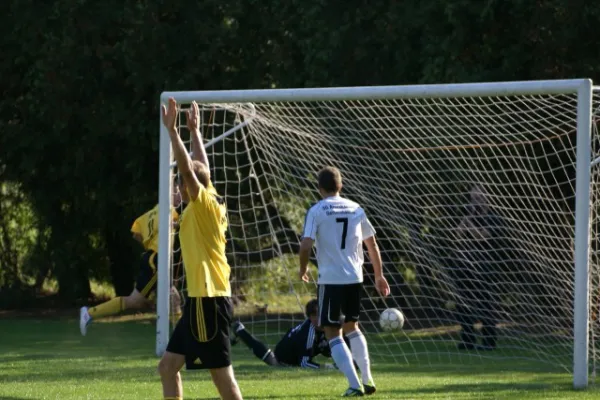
{"points": [[304, 253], [184, 162], [375, 256], [193, 124]]}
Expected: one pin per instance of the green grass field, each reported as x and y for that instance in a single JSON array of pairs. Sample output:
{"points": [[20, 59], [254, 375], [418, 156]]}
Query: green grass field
{"points": [[48, 359]]}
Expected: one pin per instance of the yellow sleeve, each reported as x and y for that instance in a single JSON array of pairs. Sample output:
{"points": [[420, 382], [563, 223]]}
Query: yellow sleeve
{"points": [[136, 227]]}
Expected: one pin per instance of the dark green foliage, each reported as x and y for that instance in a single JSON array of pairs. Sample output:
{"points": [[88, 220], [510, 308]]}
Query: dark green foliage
{"points": [[81, 80]]}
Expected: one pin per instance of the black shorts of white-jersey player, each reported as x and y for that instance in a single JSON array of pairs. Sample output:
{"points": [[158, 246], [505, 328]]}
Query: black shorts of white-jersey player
{"points": [[297, 348], [338, 227]]}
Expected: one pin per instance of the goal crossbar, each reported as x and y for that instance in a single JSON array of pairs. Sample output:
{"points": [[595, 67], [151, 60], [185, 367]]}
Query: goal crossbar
{"points": [[382, 92]]}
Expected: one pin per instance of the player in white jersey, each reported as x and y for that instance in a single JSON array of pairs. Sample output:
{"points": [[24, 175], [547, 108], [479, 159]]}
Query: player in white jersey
{"points": [[338, 227]]}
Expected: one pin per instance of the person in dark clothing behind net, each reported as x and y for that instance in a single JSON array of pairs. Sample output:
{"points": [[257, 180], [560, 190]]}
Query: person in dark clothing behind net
{"points": [[296, 348], [481, 246]]}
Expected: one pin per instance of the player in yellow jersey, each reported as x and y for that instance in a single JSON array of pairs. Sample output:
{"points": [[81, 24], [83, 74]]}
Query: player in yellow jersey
{"points": [[145, 231], [201, 338]]}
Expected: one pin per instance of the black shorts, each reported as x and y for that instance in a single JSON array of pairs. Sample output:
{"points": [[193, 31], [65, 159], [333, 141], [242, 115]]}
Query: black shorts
{"points": [[339, 303], [146, 280], [202, 333]]}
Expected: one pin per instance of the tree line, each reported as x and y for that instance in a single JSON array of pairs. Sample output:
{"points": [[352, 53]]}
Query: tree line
{"points": [[81, 83]]}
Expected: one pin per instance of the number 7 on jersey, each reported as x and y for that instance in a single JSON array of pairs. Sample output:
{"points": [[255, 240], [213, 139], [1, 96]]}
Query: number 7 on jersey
{"points": [[344, 230]]}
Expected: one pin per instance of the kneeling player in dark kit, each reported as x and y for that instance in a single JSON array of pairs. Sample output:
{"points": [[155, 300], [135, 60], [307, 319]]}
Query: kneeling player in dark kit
{"points": [[296, 348]]}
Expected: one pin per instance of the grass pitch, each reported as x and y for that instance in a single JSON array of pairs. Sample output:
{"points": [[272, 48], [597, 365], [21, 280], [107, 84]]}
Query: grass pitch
{"points": [[48, 359]]}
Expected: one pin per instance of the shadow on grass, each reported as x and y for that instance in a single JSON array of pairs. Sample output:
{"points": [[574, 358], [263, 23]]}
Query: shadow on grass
{"points": [[473, 368], [91, 371], [286, 396], [78, 372], [17, 398], [266, 397], [41, 357], [489, 390], [27, 357]]}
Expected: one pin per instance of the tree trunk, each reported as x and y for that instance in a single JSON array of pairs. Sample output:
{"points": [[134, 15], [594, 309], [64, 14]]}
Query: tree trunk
{"points": [[72, 272], [121, 262]]}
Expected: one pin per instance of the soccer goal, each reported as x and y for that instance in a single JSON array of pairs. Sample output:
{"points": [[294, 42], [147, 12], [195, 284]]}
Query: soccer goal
{"points": [[411, 155]]}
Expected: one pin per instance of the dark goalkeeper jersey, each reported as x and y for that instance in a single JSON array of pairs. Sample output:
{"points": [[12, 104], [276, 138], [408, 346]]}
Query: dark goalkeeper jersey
{"points": [[300, 344]]}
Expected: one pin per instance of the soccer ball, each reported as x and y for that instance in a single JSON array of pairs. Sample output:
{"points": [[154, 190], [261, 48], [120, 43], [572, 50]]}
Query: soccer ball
{"points": [[391, 319]]}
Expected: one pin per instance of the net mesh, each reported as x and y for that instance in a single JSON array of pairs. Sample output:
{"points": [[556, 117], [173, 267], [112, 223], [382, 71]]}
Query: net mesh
{"points": [[412, 164], [595, 237]]}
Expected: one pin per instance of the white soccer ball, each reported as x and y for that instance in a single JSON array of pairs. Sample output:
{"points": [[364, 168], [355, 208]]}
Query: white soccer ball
{"points": [[391, 319]]}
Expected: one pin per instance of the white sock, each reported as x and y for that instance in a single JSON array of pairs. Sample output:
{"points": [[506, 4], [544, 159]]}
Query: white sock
{"points": [[360, 353], [343, 359]]}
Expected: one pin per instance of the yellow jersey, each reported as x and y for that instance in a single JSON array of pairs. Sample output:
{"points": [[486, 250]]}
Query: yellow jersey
{"points": [[202, 237], [146, 226]]}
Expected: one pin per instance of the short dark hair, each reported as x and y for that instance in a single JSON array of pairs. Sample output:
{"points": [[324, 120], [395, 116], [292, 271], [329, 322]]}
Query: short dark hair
{"points": [[330, 179], [312, 307], [202, 173]]}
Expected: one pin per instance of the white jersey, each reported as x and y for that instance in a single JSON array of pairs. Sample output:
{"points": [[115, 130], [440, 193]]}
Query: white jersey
{"points": [[338, 226]]}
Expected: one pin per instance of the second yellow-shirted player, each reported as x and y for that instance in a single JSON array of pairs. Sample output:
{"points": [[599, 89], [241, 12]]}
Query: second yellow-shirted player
{"points": [[145, 231]]}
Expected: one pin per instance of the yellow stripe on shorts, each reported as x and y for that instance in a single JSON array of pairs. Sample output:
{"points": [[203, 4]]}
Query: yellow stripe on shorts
{"points": [[199, 321], [202, 322]]}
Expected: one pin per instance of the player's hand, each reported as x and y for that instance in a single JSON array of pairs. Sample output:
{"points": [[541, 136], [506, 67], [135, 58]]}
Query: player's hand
{"points": [[382, 286], [303, 275], [169, 115], [193, 117]]}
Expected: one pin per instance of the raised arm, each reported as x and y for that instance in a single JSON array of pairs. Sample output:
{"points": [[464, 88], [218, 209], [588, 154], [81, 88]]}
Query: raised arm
{"points": [[193, 124], [184, 162]]}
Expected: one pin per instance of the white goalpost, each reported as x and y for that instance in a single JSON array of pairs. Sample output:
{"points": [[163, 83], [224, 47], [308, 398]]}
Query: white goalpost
{"points": [[410, 155]]}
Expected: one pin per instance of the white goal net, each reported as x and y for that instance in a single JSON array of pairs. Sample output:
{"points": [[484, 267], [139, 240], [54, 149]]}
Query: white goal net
{"points": [[503, 157]]}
